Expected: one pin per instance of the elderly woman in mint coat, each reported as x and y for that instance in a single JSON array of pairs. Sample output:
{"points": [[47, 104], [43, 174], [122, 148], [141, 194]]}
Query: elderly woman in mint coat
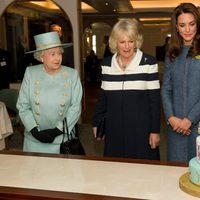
{"points": [[49, 93]]}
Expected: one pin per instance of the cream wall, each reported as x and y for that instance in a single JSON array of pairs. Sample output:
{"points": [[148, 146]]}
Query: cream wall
{"points": [[100, 29], [154, 36], [72, 9]]}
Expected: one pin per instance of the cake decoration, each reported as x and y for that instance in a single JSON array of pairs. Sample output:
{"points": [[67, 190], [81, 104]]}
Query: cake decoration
{"points": [[198, 148]]}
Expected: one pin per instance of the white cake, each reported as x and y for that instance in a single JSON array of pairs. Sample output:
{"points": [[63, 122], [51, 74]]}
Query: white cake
{"points": [[194, 165]]}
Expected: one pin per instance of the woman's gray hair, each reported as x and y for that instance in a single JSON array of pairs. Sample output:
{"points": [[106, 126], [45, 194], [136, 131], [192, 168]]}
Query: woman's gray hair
{"points": [[38, 54], [125, 26]]}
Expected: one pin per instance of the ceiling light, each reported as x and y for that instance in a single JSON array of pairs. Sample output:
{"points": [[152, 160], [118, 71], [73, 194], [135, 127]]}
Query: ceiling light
{"points": [[163, 24], [87, 8], [46, 4], [155, 19], [149, 4]]}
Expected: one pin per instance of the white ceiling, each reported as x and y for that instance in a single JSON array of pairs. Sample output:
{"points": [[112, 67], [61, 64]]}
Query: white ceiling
{"points": [[146, 10], [130, 6]]}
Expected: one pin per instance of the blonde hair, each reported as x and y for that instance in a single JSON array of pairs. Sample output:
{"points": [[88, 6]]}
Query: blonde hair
{"points": [[129, 27]]}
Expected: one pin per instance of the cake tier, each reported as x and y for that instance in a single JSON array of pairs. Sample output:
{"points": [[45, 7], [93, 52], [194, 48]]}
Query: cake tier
{"points": [[194, 169]]}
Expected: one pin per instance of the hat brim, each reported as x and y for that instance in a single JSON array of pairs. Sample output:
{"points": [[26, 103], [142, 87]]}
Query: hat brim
{"points": [[65, 45]]}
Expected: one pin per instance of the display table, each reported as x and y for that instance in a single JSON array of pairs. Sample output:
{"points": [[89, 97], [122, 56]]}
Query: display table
{"points": [[60, 177], [5, 125]]}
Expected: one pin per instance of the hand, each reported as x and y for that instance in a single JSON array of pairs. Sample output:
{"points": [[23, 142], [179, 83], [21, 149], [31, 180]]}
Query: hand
{"points": [[174, 122], [40, 136], [154, 140], [46, 136], [94, 131], [184, 126], [50, 134]]}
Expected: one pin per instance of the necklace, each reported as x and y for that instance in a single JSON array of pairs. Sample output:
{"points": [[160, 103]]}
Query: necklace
{"points": [[121, 64]]}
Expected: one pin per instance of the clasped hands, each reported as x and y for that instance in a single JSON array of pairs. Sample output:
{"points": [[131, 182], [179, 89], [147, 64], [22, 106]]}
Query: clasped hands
{"points": [[47, 135], [181, 126]]}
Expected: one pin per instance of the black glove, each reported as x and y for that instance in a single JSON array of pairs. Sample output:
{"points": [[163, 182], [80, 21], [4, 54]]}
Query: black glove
{"points": [[46, 136], [51, 134]]}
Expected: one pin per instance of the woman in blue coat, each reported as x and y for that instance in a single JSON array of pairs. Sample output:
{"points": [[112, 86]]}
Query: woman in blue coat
{"points": [[181, 83], [49, 93]]}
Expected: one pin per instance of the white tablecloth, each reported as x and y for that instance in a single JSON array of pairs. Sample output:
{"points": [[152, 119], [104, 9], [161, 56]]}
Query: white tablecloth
{"points": [[5, 125]]}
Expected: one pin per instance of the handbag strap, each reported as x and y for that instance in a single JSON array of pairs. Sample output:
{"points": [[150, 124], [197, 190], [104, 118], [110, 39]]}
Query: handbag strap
{"points": [[65, 129]]}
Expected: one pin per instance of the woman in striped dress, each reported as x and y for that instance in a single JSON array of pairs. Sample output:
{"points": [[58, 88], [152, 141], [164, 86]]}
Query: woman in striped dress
{"points": [[130, 97]]}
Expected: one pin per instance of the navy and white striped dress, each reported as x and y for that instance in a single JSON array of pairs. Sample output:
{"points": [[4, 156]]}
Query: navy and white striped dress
{"points": [[130, 100]]}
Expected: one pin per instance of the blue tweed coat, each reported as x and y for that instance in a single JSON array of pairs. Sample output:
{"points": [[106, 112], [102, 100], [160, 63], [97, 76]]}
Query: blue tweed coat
{"points": [[181, 98]]}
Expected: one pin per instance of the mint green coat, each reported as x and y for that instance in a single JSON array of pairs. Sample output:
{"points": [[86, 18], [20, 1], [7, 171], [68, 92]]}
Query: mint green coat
{"points": [[45, 100]]}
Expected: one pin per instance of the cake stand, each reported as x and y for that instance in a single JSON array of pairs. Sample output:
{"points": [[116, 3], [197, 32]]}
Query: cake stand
{"points": [[187, 186]]}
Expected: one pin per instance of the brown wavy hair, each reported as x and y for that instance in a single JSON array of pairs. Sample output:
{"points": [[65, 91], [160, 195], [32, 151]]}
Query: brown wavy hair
{"points": [[176, 41]]}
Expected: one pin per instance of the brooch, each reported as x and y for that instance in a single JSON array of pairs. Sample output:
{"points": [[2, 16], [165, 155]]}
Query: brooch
{"points": [[64, 74], [197, 57]]}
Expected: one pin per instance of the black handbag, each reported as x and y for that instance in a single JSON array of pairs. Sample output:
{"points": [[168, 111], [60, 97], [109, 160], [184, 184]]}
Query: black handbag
{"points": [[72, 145], [101, 128]]}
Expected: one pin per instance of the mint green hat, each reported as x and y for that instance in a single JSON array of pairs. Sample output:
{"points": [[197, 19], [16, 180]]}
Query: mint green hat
{"points": [[47, 41]]}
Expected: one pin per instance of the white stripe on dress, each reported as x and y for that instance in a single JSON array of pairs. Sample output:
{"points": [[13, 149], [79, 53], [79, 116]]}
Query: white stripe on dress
{"points": [[149, 69], [130, 85]]}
